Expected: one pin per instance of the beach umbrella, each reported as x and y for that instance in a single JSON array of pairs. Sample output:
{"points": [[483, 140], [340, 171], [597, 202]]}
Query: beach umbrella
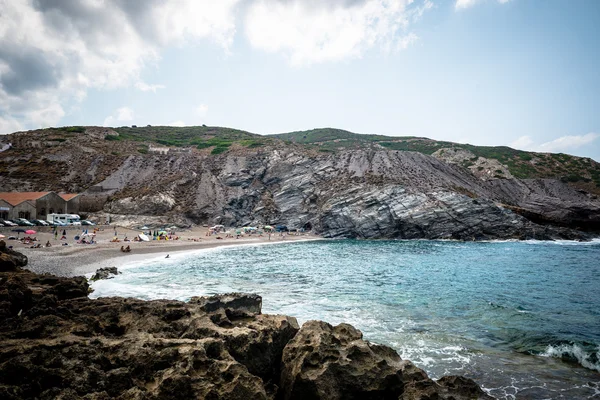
{"points": [[30, 232], [144, 227], [162, 233], [64, 232], [2, 236], [18, 230]]}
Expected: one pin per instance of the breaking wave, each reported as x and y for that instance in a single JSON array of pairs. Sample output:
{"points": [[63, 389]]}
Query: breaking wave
{"points": [[575, 353]]}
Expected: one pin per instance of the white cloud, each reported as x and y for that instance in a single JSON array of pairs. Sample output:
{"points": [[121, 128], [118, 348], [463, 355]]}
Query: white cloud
{"points": [[522, 143], [465, 3], [559, 145], [144, 87], [312, 32], [566, 143], [176, 123], [122, 114], [462, 4], [201, 110], [9, 125], [53, 52]]}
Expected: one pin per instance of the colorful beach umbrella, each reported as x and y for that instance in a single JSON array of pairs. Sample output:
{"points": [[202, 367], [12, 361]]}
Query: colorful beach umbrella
{"points": [[30, 232]]}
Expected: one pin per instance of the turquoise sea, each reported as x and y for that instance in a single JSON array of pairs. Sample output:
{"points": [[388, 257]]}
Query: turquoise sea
{"points": [[521, 318]]}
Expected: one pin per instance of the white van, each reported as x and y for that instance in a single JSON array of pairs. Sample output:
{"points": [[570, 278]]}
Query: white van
{"points": [[67, 219]]}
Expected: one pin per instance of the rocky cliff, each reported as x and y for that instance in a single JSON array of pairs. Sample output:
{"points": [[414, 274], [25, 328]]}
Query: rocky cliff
{"points": [[56, 343], [363, 192]]}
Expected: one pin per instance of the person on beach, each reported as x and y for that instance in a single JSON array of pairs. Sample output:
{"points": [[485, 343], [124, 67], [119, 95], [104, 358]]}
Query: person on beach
{"points": [[48, 244]]}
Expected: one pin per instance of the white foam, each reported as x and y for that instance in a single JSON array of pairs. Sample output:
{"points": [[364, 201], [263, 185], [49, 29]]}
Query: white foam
{"points": [[575, 351], [593, 242]]}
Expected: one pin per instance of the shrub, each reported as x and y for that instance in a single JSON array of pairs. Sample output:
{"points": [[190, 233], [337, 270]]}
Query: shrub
{"points": [[219, 149], [76, 129]]}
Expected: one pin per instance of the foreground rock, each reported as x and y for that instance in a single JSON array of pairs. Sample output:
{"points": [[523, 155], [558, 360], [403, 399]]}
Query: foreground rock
{"points": [[10, 260], [56, 343], [327, 362]]}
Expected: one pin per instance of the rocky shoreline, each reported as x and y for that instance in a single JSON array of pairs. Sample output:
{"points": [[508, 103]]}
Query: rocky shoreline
{"points": [[56, 343]]}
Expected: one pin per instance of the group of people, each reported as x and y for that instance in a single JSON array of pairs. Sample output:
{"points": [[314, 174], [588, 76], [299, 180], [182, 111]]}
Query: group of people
{"points": [[126, 249]]}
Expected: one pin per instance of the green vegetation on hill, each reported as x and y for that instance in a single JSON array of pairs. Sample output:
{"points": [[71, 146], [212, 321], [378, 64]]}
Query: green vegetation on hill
{"points": [[201, 137]]}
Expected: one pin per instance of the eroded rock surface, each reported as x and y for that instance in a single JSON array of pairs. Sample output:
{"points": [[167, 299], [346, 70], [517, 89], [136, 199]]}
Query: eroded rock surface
{"points": [[10, 260], [56, 343], [105, 273], [334, 362]]}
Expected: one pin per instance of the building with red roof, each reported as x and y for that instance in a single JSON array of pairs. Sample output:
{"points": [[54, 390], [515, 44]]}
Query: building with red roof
{"points": [[37, 205]]}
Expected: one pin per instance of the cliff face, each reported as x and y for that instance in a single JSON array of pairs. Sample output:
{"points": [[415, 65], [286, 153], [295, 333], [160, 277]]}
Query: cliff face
{"points": [[56, 343], [363, 193]]}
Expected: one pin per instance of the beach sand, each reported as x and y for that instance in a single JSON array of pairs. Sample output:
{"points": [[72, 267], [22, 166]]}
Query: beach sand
{"points": [[81, 259]]}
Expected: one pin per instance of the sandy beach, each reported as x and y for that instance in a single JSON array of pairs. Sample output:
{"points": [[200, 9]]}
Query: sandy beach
{"points": [[81, 259]]}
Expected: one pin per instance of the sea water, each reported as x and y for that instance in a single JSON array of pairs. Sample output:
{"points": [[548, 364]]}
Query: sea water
{"points": [[521, 318]]}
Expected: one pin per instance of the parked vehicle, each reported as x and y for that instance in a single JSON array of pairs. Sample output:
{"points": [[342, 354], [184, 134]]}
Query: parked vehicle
{"points": [[40, 222], [22, 222], [7, 223], [56, 223], [67, 219], [87, 222]]}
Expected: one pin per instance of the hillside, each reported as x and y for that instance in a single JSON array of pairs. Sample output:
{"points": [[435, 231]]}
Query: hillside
{"points": [[580, 172], [338, 183]]}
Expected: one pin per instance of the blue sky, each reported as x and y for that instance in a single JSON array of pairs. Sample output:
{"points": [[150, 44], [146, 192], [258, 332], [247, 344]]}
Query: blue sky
{"points": [[521, 73]]}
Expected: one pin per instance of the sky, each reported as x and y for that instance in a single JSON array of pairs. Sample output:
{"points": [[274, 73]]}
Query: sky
{"points": [[519, 73]]}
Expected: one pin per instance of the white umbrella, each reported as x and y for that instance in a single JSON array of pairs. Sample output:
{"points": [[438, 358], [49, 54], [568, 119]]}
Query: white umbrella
{"points": [[143, 237]]}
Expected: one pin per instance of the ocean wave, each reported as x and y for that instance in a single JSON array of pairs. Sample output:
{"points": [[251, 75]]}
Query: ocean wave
{"points": [[575, 353], [593, 242]]}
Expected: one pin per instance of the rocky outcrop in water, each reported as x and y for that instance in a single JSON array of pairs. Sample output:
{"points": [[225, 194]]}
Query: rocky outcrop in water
{"points": [[105, 273], [56, 343]]}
